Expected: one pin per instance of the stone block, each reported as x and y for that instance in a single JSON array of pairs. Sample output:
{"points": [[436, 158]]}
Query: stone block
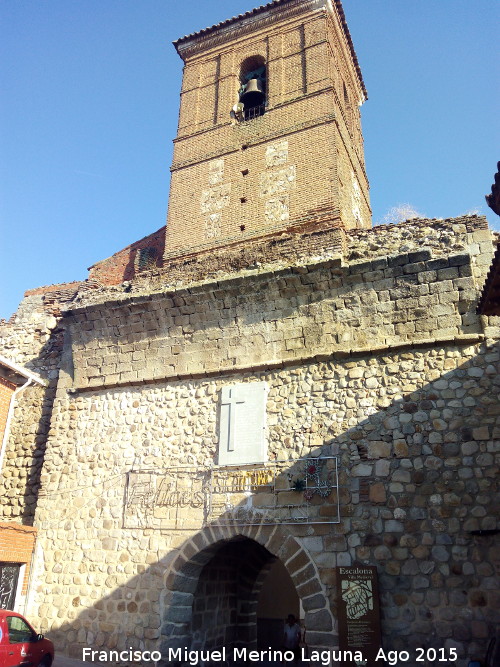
{"points": [[298, 562], [419, 256], [393, 526], [313, 602], [309, 588], [318, 621], [362, 470], [378, 493], [318, 640], [382, 468]]}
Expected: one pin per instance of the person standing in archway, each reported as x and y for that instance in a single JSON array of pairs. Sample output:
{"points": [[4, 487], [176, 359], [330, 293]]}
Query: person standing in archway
{"points": [[291, 637]]}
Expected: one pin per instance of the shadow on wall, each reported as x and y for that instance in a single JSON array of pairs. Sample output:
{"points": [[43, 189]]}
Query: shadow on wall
{"points": [[143, 255], [417, 492], [28, 438]]}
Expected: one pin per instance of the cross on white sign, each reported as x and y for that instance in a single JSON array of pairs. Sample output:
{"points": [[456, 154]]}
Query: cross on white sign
{"points": [[243, 423], [233, 400]]}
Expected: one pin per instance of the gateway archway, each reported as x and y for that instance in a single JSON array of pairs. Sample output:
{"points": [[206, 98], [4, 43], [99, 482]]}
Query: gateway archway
{"points": [[277, 598], [214, 586]]}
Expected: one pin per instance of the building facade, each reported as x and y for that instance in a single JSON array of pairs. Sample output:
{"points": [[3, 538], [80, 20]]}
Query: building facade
{"points": [[17, 540], [286, 395]]}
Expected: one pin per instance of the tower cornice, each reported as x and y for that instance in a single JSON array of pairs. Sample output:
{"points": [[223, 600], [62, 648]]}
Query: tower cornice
{"points": [[260, 18]]}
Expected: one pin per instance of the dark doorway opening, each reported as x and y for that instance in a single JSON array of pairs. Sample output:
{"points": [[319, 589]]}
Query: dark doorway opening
{"points": [[241, 598], [277, 598]]}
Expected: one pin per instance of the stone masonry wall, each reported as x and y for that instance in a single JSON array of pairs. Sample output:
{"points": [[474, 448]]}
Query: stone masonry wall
{"points": [[411, 408], [33, 340], [417, 433], [321, 236], [274, 317]]}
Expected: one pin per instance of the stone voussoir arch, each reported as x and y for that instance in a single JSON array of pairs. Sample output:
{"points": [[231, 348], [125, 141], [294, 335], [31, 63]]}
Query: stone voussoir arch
{"points": [[182, 575]]}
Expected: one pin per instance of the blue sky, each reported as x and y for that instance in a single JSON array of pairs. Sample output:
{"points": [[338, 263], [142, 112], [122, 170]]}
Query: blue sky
{"points": [[90, 102]]}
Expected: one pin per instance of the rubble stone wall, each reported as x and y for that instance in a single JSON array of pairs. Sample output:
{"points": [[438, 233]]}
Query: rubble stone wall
{"points": [[411, 407], [417, 433], [33, 340]]}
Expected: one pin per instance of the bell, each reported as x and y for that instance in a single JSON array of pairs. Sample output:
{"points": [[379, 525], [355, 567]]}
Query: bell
{"points": [[253, 95]]}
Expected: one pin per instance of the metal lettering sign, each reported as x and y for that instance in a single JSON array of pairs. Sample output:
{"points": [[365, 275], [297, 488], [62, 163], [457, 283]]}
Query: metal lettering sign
{"points": [[296, 491], [358, 612]]}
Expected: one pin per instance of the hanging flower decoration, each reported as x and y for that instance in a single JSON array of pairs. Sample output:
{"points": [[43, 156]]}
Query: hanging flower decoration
{"points": [[308, 494], [313, 469]]}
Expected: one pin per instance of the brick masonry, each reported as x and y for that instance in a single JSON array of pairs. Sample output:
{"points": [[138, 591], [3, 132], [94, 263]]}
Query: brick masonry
{"points": [[17, 544], [234, 181], [143, 255]]}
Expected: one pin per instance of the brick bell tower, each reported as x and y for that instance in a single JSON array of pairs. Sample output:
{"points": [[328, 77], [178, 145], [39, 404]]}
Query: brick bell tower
{"points": [[269, 137]]}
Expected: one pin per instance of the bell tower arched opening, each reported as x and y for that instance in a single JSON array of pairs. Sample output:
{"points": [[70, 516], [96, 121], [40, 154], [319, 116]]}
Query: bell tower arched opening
{"points": [[253, 89]]}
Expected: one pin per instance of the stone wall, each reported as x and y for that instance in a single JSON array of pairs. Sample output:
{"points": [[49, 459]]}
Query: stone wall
{"points": [[267, 317], [390, 371], [321, 235], [31, 339], [416, 433]]}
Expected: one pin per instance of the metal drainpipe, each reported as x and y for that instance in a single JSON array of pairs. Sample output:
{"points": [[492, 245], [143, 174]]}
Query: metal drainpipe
{"points": [[15, 394]]}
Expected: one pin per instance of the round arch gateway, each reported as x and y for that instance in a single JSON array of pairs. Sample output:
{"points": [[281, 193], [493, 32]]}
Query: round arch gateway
{"points": [[212, 588]]}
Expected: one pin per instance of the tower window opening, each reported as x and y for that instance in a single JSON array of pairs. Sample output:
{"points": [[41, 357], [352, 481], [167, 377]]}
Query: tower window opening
{"points": [[253, 89]]}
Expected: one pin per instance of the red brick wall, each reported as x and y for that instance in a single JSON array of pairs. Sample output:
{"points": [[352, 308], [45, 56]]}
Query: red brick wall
{"points": [[45, 289], [126, 263], [235, 181], [16, 546]]}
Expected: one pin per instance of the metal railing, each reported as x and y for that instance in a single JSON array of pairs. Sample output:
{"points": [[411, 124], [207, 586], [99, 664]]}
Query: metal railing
{"points": [[254, 112]]}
